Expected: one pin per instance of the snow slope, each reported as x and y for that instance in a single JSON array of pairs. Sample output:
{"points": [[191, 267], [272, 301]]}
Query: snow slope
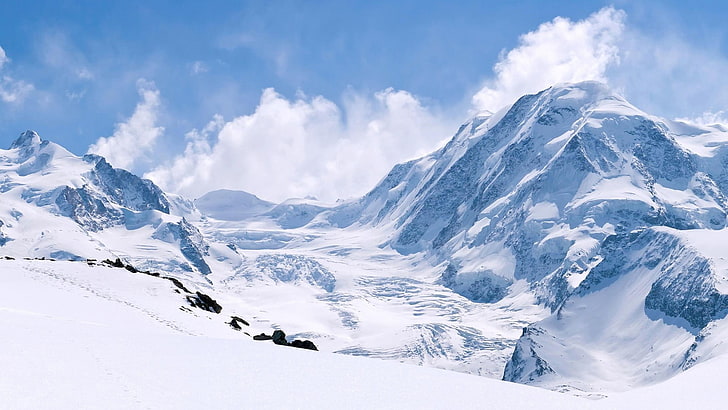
{"points": [[91, 337]]}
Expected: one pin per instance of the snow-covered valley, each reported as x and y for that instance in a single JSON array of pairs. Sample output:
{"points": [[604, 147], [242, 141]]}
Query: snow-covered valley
{"points": [[570, 241]]}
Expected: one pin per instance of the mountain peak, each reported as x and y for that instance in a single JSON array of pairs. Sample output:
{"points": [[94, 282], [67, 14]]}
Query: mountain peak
{"points": [[26, 139]]}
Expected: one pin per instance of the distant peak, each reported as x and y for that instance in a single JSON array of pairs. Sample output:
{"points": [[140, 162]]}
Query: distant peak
{"points": [[27, 139]]}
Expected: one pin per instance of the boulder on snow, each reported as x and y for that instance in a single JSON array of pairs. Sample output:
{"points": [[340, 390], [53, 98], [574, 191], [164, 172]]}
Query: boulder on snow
{"points": [[236, 321], [279, 338], [304, 344], [262, 336], [204, 302]]}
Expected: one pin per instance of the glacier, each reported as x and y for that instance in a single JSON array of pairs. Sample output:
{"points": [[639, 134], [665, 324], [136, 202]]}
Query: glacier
{"points": [[569, 241]]}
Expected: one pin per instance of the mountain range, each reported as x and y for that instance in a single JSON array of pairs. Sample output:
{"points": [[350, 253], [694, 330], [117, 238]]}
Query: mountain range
{"points": [[569, 241]]}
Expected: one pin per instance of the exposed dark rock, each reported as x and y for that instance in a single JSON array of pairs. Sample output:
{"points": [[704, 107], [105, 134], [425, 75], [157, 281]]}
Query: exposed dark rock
{"points": [[177, 283], [190, 240], [525, 364], [88, 210], [304, 344], [146, 272], [116, 264], [279, 338], [236, 321], [124, 188], [262, 336], [204, 302]]}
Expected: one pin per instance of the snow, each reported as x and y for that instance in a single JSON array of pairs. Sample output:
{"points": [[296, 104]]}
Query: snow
{"points": [[543, 210], [571, 213], [228, 205], [92, 337]]}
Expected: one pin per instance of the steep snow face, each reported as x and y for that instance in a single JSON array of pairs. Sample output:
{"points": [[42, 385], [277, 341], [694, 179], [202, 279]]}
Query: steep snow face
{"points": [[55, 204], [634, 319]]}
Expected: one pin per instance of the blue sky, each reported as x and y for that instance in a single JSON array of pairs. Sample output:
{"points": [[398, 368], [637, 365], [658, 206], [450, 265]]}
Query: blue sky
{"points": [[166, 83]]}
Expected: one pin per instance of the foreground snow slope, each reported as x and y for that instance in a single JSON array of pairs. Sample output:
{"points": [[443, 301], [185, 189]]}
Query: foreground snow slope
{"points": [[96, 337]]}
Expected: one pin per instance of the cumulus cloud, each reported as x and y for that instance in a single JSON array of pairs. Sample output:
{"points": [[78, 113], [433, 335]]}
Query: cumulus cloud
{"points": [[135, 137], [558, 51], [659, 71], [305, 146], [11, 90], [312, 146]]}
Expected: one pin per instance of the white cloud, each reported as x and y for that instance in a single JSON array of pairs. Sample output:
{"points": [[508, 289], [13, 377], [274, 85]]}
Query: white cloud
{"points": [[311, 146], [75, 95], [558, 51], [135, 137], [12, 90], [307, 146], [656, 67], [58, 52]]}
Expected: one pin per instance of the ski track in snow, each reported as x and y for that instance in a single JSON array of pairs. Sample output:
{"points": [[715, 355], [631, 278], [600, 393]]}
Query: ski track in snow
{"points": [[61, 280]]}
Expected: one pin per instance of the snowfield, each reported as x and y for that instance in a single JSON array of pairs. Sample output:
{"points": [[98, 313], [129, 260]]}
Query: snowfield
{"points": [[80, 338], [91, 337]]}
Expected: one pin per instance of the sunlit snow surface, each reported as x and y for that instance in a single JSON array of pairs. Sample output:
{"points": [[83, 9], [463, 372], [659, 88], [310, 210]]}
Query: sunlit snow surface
{"points": [[99, 337], [569, 241]]}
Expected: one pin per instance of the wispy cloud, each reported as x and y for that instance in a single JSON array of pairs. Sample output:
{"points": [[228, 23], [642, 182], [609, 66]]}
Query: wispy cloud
{"points": [[11, 89], [198, 67], [707, 118], [3, 58], [669, 76], [134, 138], [57, 51], [305, 146]]}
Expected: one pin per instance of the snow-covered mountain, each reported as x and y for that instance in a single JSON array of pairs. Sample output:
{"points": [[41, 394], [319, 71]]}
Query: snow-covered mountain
{"points": [[606, 213], [569, 241], [54, 204]]}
